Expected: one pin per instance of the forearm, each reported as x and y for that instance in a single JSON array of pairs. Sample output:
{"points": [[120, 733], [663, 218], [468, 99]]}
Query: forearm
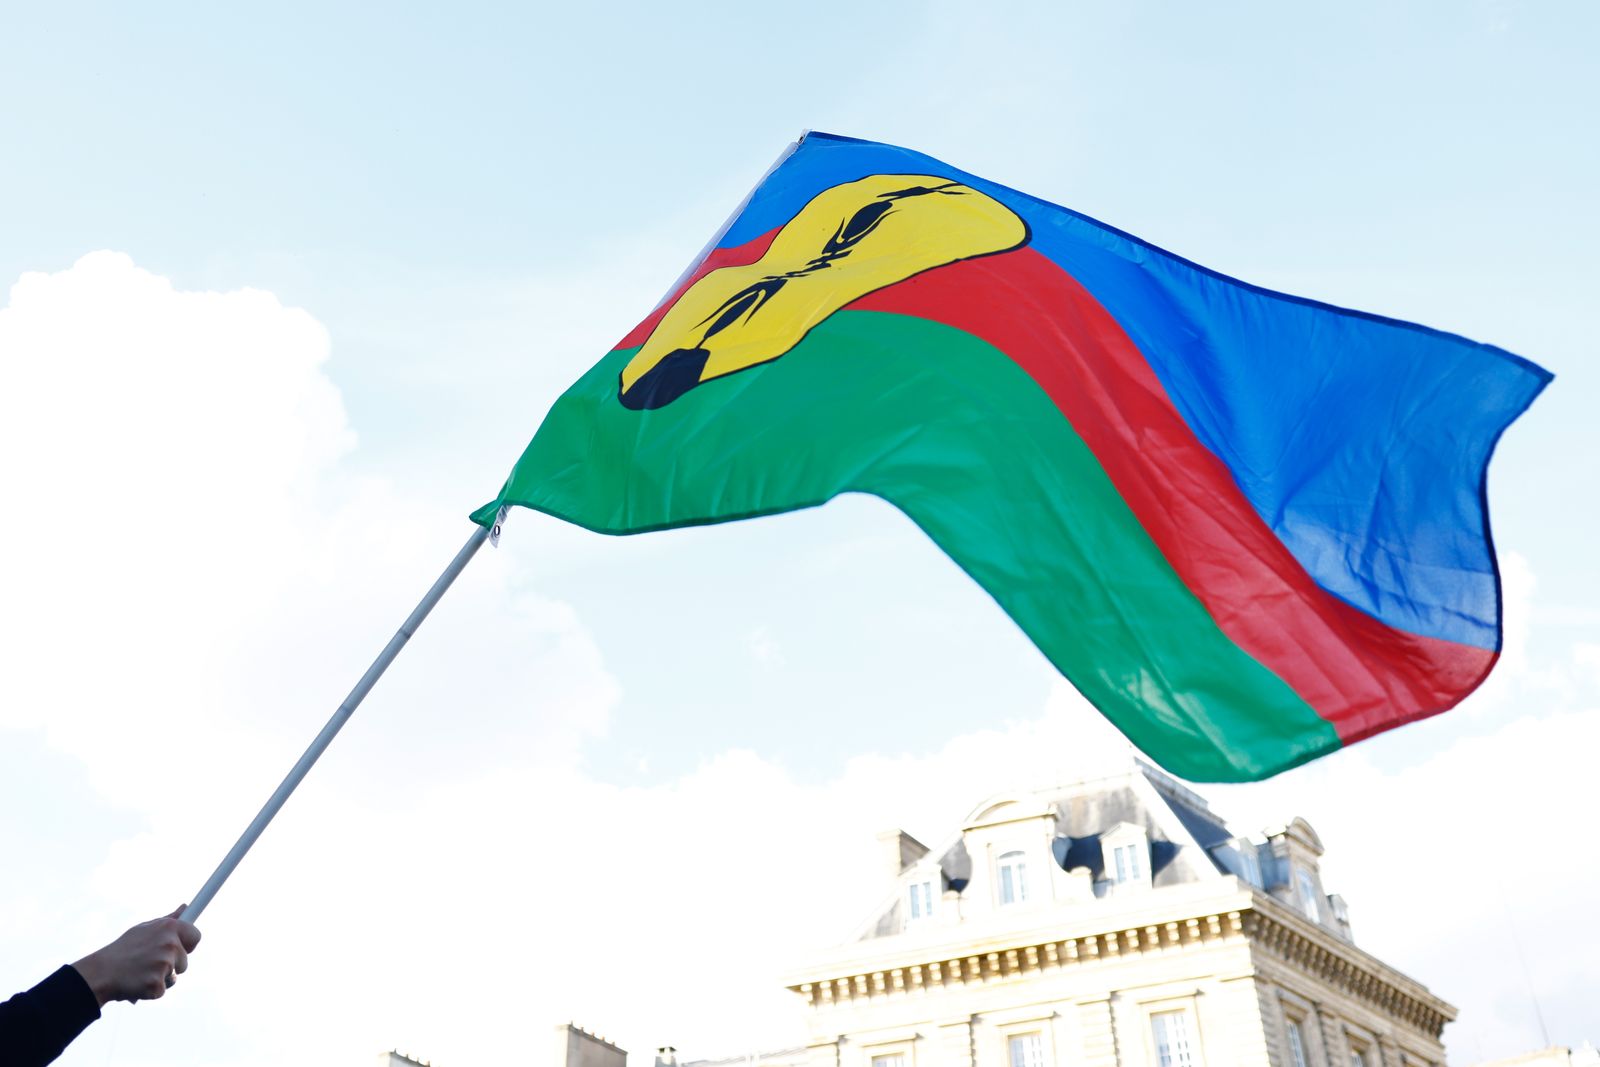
{"points": [[37, 1025]]}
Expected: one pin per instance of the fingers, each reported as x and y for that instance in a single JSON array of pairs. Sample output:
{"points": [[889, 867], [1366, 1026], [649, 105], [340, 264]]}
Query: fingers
{"points": [[187, 934], [156, 952]]}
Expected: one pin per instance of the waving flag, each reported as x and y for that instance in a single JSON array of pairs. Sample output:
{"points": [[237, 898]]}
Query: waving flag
{"points": [[1249, 527]]}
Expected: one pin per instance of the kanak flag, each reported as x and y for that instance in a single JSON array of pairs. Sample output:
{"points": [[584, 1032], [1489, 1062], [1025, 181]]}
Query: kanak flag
{"points": [[1251, 528]]}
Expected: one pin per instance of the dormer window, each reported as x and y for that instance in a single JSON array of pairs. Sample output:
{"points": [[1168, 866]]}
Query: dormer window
{"points": [[921, 900], [1250, 863], [1308, 895], [1012, 878], [1125, 863], [1125, 855]]}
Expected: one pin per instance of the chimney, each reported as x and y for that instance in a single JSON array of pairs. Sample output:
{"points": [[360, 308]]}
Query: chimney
{"points": [[900, 850]]}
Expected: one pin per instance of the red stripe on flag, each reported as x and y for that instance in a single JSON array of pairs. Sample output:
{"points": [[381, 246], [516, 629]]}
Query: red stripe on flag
{"points": [[737, 256], [1357, 672]]}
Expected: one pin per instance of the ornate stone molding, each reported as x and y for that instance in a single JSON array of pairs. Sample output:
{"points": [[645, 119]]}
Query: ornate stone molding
{"points": [[1023, 960], [1288, 938], [1346, 967]]}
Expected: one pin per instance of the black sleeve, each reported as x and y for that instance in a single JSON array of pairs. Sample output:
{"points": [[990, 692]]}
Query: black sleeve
{"points": [[37, 1025]]}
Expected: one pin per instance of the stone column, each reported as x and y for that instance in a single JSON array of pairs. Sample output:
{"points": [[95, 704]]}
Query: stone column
{"points": [[1274, 1024], [1389, 1052], [953, 1043], [1099, 1033], [823, 1053], [1238, 1023], [1333, 1045]]}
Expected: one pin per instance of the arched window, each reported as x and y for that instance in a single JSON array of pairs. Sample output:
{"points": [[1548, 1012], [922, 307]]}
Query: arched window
{"points": [[1012, 875]]}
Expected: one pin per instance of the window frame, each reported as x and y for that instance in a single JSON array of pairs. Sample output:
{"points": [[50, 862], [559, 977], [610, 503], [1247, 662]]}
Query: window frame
{"points": [[1190, 1050], [923, 883], [1014, 1036], [1020, 1022], [1305, 891], [900, 1051], [1134, 873], [1015, 864], [1188, 1006], [1294, 1036], [1137, 870], [1297, 1015], [1362, 1050], [1250, 863]]}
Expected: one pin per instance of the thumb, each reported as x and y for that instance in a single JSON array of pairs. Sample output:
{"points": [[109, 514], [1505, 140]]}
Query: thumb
{"points": [[176, 912]]}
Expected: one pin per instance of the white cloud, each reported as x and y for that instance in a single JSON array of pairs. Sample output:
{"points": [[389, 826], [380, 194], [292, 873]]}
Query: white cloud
{"points": [[195, 582], [151, 437]]}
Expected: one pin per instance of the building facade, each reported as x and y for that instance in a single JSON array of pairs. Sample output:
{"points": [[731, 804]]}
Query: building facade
{"points": [[1111, 923]]}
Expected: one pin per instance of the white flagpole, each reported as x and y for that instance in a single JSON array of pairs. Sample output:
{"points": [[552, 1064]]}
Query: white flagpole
{"points": [[340, 717]]}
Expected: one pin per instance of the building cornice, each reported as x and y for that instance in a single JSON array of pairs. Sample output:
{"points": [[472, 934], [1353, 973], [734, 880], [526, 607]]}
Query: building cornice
{"points": [[1286, 935], [867, 971]]}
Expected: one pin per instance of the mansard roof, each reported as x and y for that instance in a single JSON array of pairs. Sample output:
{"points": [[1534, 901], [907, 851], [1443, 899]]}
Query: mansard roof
{"points": [[1180, 825]]}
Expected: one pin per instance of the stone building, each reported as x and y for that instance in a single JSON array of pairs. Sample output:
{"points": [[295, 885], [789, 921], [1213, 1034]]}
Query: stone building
{"points": [[1111, 923]]}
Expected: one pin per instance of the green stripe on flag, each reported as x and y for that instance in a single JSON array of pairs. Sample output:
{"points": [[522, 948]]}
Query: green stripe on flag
{"points": [[955, 434]]}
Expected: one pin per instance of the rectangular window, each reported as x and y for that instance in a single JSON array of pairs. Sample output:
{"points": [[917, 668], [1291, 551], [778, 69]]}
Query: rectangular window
{"points": [[1297, 1045], [1357, 1058], [921, 900], [1308, 896], [890, 1059], [1127, 863], [1173, 1044], [1013, 878], [1027, 1050], [1251, 865]]}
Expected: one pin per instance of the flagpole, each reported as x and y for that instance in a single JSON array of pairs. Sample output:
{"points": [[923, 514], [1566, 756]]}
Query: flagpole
{"points": [[335, 724]]}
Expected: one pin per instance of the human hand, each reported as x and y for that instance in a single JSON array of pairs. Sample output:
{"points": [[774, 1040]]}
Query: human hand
{"points": [[143, 963]]}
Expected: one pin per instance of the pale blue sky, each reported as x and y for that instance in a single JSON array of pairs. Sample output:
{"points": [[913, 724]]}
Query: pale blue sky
{"points": [[476, 200], [409, 177]]}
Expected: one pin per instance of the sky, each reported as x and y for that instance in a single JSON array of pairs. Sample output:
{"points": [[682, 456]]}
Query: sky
{"points": [[287, 288]]}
